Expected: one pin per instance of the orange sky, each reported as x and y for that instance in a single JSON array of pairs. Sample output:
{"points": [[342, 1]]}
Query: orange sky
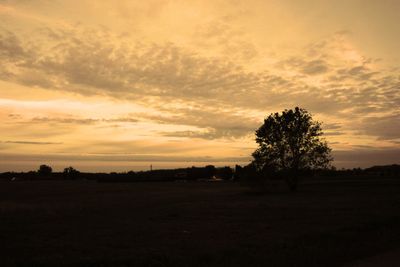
{"points": [[120, 85]]}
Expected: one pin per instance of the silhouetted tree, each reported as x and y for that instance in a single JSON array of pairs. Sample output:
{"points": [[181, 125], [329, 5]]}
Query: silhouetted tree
{"points": [[210, 170], [45, 170], [290, 143], [70, 173], [225, 173], [206, 172]]}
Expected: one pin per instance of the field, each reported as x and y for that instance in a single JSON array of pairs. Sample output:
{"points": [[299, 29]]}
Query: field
{"points": [[85, 223]]}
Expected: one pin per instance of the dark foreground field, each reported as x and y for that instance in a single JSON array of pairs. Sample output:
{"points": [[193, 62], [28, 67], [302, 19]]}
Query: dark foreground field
{"points": [[77, 223]]}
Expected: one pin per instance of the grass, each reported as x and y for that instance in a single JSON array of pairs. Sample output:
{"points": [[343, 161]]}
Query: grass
{"points": [[78, 223]]}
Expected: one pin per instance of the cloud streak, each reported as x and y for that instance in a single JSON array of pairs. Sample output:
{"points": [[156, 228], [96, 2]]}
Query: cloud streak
{"points": [[31, 143]]}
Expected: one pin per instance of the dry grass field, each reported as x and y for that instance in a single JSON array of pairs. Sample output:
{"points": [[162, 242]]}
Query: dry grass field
{"points": [[85, 223]]}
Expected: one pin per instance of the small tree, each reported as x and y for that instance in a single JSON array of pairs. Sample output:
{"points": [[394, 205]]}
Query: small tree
{"points": [[71, 173], [290, 143], [225, 173], [45, 170]]}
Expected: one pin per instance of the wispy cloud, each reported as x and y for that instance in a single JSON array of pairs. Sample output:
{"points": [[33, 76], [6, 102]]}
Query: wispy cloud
{"points": [[90, 64], [31, 143]]}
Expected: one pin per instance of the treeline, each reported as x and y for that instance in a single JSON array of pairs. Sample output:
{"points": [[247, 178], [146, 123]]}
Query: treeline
{"points": [[207, 173], [250, 173]]}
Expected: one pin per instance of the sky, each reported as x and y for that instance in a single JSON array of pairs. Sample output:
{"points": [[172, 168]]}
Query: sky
{"points": [[119, 85]]}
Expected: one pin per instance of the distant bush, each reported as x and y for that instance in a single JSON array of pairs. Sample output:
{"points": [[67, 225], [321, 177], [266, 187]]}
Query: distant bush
{"points": [[71, 173], [45, 170], [225, 173]]}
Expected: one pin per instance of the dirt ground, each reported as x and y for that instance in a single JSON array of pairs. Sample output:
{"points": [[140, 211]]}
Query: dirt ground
{"points": [[85, 223]]}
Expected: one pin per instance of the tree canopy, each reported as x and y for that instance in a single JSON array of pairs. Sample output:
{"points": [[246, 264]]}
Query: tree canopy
{"points": [[290, 142]]}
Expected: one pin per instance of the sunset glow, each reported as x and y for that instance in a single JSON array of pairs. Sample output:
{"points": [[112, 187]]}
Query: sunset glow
{"points": [[120, 85]]}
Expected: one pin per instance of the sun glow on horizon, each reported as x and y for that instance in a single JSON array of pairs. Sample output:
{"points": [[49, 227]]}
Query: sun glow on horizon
{"points": [[181, 83]]}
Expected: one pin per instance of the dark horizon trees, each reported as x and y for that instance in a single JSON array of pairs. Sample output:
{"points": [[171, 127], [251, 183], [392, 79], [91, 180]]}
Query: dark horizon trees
{"points": [[71, 173], [240, 174], [45, 170]]}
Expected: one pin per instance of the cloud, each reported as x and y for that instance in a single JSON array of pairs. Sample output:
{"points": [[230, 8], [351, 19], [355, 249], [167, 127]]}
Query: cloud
{"points": [[219, 37], [63, 120], [315, 67], [213, 123], [11, 47], [384, 127], [118, 157], [31, 143], [333, 133], [91, 62], [121, 119], [14, 116], [329, 78], [360, 72], [305, 66], [82, 121], [12, 53], [366, 157], [331, 126], [210, 133]]}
